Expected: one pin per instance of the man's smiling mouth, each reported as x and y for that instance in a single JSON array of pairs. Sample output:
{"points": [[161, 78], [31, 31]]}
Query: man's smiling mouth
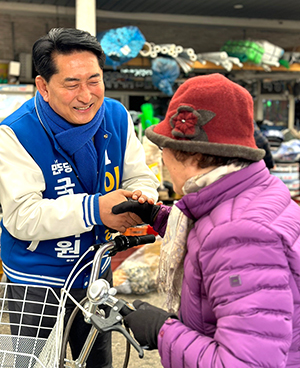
{"points": [[83, 108]]}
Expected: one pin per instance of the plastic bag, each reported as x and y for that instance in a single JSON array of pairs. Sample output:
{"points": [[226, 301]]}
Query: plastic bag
{"points": [[138, 273], [165, 72], [121, 44]]}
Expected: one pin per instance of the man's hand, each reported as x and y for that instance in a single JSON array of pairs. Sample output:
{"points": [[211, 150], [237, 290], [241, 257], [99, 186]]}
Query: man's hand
{"points": [[119, 222]]}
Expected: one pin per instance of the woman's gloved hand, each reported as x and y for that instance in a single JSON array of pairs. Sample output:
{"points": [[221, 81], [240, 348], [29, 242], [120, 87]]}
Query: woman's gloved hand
{"points": [[145, 323], [146, 211]]}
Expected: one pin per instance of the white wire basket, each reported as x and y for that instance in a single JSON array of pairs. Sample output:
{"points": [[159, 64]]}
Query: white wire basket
{"points": [[21, 313]]}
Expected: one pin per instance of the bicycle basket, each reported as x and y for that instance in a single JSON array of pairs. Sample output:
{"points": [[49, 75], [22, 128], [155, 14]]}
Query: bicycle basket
{"points": [[25, 325]]}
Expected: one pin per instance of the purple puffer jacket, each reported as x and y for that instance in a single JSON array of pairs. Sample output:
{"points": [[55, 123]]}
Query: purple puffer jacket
{"points": [[240, 292]]}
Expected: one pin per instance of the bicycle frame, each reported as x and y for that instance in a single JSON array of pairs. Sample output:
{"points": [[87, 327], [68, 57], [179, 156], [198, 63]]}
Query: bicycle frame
{"points": [[99, 292]]}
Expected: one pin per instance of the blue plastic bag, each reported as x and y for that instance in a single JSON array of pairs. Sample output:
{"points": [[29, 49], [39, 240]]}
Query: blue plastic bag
{"points": [[165, 72], [121, 44]]}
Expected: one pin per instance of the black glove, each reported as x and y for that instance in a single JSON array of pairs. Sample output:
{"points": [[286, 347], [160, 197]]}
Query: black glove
{"points": [[146, 322], [146, 211]]}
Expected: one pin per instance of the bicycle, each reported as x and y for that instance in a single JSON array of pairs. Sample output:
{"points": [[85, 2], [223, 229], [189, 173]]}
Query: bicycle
{"points": [[50, 352]]}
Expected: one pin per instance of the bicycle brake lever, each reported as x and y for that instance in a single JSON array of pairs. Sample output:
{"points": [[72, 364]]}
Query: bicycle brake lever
{"points": [[126, 334], [97, 321], [113, 323]]}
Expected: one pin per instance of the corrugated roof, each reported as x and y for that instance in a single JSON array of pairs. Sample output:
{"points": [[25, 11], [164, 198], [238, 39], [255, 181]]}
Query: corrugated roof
{"points": [[259, 9]]}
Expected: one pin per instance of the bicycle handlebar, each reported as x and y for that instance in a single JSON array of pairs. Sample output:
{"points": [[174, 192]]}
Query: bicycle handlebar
{"points": [[99, 292], [118, 244], [123, 242]]}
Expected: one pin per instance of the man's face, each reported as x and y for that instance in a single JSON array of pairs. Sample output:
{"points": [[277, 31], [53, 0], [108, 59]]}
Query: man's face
{"points": [[76, 92]]}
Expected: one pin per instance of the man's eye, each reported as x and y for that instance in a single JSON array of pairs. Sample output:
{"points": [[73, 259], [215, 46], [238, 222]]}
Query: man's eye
{"points": [[72, 86], [95, 83]]}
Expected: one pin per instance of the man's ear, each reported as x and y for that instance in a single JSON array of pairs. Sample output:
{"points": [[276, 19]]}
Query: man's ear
{"points": [[42, 87]]}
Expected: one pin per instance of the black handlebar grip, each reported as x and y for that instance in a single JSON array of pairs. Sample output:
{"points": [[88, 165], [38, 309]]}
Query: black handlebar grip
{"points": [[144, 239], [123, 242]]}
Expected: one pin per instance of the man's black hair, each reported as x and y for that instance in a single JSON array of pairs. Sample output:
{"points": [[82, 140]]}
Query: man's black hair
{"points": [[63, 41]]}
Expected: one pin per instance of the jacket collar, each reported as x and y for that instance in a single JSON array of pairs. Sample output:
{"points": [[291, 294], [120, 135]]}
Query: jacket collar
{"points": [[195, 205]]}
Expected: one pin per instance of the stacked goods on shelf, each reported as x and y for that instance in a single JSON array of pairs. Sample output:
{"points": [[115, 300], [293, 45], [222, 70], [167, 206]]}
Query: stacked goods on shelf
{"points": [[288, 172], [287, 158], [219, 58], [244, 50], [288, 151], [260, 52], [291, 56], [272, 53], [275, 138], [285, 149]]}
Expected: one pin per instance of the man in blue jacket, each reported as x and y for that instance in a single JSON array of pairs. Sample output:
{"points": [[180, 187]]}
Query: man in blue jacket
{"points": [[66, 157]]}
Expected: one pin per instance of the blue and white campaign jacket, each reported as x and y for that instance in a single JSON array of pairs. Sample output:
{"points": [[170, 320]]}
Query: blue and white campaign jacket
{"points": [[49, 219]]}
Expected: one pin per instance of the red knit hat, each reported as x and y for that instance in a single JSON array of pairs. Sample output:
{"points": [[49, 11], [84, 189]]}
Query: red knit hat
{"points": [[212, 115]]}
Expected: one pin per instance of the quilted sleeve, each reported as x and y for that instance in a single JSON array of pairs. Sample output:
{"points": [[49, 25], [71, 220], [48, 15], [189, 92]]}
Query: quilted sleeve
{"points": [[246, 281]]}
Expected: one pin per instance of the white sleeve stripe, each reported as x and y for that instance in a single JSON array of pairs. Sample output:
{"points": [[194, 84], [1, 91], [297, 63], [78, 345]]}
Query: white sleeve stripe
{"points": [[15, 274], [88, 210], [92, 212]]}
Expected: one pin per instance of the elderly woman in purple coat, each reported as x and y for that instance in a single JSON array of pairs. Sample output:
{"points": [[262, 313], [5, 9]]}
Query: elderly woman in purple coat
{"points": [[230, 258]]}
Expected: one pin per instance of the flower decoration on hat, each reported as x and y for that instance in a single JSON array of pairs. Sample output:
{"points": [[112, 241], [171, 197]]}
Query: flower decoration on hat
{"points": [[187, 123]]}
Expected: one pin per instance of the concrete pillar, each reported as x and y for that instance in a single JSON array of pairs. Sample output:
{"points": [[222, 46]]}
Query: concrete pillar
{"points": [[86, 16], [291, 121]]}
